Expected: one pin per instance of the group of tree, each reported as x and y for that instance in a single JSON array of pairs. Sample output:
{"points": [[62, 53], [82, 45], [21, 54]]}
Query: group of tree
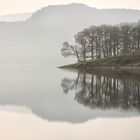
{"points": [[97, 42]]}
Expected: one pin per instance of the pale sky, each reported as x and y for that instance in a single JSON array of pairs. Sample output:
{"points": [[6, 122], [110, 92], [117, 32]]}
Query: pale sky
{"points": [[22, 6]]}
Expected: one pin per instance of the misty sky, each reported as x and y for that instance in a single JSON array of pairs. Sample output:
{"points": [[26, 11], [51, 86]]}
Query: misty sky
{"points": [[22, 6]]}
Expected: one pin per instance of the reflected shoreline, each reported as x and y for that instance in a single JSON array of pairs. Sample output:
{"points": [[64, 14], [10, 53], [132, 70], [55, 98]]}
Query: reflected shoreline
{"points": [[105, 89], [39, 89]]}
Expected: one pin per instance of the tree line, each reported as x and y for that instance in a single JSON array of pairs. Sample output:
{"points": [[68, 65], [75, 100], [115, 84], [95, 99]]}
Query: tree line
{"points": [[98, 42]]}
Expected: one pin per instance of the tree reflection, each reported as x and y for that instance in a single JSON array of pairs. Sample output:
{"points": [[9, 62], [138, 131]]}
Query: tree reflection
{"points": [[97, 91]]}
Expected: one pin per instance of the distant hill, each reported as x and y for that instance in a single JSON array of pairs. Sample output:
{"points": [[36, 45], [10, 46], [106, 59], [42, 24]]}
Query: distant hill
{"points": [[15, 17], [40, 38], [83, 15]]}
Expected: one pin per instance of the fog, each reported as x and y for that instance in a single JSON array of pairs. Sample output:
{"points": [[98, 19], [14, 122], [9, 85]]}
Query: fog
{"points": [[39, 39]]}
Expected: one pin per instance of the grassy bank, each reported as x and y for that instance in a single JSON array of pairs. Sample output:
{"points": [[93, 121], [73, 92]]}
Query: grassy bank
{"points": [[129, 62]]}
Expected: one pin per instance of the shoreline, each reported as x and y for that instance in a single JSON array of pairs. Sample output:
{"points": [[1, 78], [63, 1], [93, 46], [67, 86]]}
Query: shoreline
{"points": [[131, 70], [123, 72]]}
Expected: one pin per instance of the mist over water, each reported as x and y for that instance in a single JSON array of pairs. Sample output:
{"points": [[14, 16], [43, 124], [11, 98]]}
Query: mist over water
{"points": [[59, 95], [67, 100], [40, 101]]}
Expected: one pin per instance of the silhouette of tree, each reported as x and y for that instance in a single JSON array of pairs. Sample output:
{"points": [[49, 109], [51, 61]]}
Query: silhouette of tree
{"points": [[97, 42], [70, 50]]}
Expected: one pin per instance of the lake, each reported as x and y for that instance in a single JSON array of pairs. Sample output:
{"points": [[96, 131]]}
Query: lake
{"points": [[41, 103]]}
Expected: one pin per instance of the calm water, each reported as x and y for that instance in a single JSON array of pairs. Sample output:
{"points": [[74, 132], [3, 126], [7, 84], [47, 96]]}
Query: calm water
{"points": [[37, 103]]}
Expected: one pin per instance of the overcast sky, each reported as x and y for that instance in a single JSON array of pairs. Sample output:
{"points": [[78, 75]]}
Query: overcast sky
{"points": [[22, 6]]}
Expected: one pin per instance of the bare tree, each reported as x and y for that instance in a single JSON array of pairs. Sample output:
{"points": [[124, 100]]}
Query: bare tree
{"points": [[81, 39], [70, 50], [97, 42]]}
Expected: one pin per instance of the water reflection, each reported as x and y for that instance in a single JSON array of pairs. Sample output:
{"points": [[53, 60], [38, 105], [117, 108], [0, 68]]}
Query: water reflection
{"points": [[104, 90], [38, 89]]}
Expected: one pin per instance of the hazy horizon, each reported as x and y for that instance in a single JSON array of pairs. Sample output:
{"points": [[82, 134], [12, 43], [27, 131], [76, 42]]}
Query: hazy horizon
{"points": [[31, 12], [25, 15], [30, 6]]}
